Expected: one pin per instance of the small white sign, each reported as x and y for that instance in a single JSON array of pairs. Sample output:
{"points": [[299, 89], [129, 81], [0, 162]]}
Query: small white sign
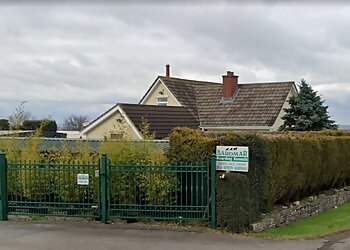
{"points": [[97, 173], [83, 179], [232, 158]]}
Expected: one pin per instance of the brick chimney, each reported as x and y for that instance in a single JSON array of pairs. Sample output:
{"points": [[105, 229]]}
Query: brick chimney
{"points": [[167, 70], [230, 84]]}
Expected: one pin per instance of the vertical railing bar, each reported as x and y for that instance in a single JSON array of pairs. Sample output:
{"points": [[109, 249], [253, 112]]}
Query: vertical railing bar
{"points": [[75, 186], [191, 180], [170, 174], [212, 188], [186, 187], [197, 187], [21, 182], [26, 181], [104, 189], [3, 187], [60, 169], [70, 192], [109, 186]]}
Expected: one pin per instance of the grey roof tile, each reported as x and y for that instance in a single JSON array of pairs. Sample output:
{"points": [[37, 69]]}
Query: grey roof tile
{"points": [[162, 119], [256, 104]]}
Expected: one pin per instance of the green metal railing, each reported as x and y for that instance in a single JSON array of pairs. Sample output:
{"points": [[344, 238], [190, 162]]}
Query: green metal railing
{"points": [[164, 191], [114, 190], [3, 187], [51, 189]]}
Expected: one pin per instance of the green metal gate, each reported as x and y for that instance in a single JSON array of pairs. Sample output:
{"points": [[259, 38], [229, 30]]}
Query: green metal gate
{"points": [[108, 189], [146, 191], [50, 189]]}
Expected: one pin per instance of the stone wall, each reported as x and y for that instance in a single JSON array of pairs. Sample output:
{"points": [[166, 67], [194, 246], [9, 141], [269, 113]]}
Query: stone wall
{"points": [[300, 210]]}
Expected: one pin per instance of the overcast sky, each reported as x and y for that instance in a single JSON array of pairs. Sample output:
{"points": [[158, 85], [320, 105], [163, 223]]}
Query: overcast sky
{"points": [[83, 58]]}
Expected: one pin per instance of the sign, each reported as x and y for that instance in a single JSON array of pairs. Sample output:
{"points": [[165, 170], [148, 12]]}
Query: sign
{"points": [[83, 179], [97, 173], [232, 158]]}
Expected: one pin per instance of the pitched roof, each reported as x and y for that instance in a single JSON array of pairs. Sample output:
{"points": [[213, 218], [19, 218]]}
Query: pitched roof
{"points": [[255, 105], [162, 119], [184, 91]]}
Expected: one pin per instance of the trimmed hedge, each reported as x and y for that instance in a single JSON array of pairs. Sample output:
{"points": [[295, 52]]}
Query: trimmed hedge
{"points": [[190, 145], [47, 125], [304, 166], [233, 198], [283, 167], [4, 124]]}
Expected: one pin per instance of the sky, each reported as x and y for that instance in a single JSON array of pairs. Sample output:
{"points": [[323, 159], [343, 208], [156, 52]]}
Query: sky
{"points": [[83, 57]]}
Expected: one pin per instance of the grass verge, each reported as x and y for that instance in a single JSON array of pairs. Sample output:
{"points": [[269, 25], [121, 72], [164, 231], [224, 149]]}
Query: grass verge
{"points": [[329, 222]]}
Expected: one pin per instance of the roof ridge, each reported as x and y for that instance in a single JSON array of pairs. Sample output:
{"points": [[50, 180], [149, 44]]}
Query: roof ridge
{"points": [[219, 83], [188, 80], [253, 83], [275, 82], [151, 105]]}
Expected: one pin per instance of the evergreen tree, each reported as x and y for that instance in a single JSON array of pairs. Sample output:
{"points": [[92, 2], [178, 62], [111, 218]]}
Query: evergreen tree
{"points": [[4, 124], [307, 111]]}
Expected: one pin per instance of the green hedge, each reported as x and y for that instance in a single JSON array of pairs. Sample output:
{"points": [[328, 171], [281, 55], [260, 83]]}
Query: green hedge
{"points": [[156, 188], [283, 167], [304, 166], [233, 201], [47, 125], [190, 145], [4, 124]]}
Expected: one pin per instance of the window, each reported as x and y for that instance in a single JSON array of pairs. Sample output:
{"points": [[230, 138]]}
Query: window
{"points": [[162, 101], [116, 136]]}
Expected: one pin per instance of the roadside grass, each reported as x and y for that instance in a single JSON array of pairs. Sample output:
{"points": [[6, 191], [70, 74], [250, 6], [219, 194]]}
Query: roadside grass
{"points": [[327, 223]]}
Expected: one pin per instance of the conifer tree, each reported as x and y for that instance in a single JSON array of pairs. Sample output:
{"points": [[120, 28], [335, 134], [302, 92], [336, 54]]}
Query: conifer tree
{"points": [[307, 112]]}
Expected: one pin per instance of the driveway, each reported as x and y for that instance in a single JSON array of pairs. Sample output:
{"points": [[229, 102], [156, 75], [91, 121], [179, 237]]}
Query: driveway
{"points": [[46, 235]]}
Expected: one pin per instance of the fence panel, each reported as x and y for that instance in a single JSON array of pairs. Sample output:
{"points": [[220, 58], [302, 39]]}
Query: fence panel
{"points": [[158, 191], [52, 189], [105, 189]]}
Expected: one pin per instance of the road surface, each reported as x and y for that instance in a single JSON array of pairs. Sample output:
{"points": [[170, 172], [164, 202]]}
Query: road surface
{"points": [[51, 235]]}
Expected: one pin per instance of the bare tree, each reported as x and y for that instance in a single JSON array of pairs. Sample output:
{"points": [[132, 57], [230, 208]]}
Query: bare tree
{"points": [[19, 116], [75, 122]]}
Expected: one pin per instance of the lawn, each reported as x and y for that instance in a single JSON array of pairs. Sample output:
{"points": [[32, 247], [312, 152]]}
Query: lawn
{"points": [[328, 222]]}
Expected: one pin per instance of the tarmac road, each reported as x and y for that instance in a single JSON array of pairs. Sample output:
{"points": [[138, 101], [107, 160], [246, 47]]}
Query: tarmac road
{"points": [[48, 235]]}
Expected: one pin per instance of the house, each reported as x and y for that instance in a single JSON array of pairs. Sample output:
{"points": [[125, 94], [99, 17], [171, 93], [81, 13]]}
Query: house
{"points": [[126, 120], [172, 102]]}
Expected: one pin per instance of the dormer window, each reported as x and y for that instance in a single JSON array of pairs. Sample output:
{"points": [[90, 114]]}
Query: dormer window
{"points": [[162, 101]]}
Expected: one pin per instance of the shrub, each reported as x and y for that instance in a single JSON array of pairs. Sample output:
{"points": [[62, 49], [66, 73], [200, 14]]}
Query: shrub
{"points": [[44, 125], [304, 166], [233, 201], [283, 167], [190, 145], [257, 169], [60, 182], [4, 124]]}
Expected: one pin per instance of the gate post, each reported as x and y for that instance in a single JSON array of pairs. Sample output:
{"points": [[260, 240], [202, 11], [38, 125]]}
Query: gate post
{"points": [[3, 187], [103, 175], [212, 191]]}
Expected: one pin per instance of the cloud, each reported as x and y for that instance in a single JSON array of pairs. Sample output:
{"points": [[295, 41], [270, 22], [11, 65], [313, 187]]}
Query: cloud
{"points": [[82, 59]]}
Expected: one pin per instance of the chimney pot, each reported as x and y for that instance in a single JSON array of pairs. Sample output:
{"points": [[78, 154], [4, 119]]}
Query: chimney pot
{"points": [[229, 73], [167, 70]]}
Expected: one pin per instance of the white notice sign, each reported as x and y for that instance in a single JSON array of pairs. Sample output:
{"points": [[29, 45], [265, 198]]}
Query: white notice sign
{"points": [[232, 158], [83, 179]]}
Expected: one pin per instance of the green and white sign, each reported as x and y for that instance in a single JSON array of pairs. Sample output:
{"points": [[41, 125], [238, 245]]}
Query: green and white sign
{"points": [[232, 158]]}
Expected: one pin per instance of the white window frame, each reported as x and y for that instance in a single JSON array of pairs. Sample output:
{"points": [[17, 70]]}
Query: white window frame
{"points": [[162, 103]]}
